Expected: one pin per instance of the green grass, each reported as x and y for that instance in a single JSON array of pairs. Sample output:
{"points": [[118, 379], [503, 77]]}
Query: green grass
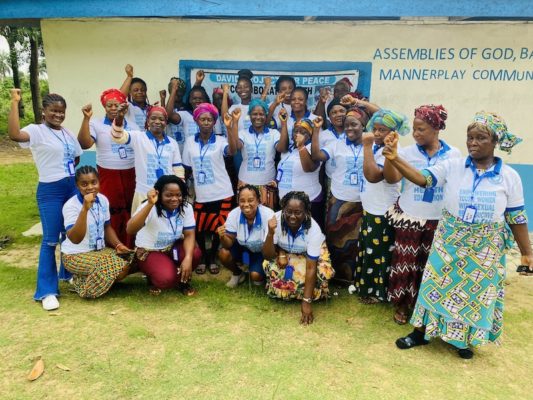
{"points": [[236, 344]]}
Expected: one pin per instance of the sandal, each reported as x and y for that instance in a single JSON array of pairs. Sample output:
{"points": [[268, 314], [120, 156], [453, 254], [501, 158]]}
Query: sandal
{"points": [[154, 291], [186, 289], [466, 354], [213, 269], [200, 269], [400, 317], [411, 340]]}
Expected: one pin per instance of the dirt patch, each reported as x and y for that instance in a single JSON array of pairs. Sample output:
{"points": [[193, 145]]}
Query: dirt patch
{"points": [[25, 257], [12, 153]]}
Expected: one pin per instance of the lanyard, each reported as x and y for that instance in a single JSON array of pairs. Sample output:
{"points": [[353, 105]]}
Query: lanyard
{"points": [[63, 141], [202, 147], [428, 158], [248, 230], [477, 180], [257, 143], [352, 148], [158, 152], [174, 228], [289, 237], [96, 218]]}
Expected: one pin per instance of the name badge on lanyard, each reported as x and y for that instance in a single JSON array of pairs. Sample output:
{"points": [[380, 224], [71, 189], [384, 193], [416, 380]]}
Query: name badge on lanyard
{"points": [[122, 153], [279, 175], [201, 178], [354, 179], [159, 172], [175, 255], [99, 243], [71, 168], [469, 214], [257, 162]]}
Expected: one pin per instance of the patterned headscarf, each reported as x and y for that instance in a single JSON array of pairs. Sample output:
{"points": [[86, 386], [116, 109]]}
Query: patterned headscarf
{"points": [[506, 140], [258, 103], [305, 123], [391, 119], [358, 113], [112, 94], [205, 108], [432, 115]]}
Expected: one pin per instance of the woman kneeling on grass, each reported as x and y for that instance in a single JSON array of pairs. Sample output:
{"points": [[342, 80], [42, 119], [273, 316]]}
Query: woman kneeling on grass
{"points": [[243, 235], [94, 266], [166, 250], [297, 263], [461, 295]]}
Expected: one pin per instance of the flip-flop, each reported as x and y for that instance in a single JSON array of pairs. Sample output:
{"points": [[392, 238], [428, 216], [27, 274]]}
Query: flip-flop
{"points": [[200, 269], [186, 289], [213, 269], [154, 291], [410, 341], [400, 318]]}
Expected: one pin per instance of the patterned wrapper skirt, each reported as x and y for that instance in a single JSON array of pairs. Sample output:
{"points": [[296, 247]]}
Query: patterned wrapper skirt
{"points": [[210, 215], [461, 295], [412, 242], [287, 289], [342, 232], [94, 272], [376, 242]]}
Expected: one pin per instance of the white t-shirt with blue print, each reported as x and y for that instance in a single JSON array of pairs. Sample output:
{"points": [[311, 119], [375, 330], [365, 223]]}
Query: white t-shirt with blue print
{"points": [[109, 154], [309, 242], [160, 232], [293, 177], [252, 239], [258, 154], [412, 197], [326, 138], [97, 218], [497, 190]]}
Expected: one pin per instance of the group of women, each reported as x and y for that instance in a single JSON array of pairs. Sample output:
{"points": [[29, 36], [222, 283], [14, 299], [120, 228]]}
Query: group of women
{"points": [[161, 201]]}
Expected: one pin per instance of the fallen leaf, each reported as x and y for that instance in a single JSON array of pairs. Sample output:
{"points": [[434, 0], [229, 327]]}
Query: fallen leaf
{"points": [[37, 370], [63, 367], [54, 314]]}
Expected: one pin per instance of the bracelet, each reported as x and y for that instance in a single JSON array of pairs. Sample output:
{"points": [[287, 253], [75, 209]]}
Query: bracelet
{"points": [[308, 300]]}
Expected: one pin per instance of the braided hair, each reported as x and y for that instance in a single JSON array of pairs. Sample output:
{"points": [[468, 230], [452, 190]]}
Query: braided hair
{"points": [[51, 98], [252, 188], [85, 170], [300, 196], [160, 186]]}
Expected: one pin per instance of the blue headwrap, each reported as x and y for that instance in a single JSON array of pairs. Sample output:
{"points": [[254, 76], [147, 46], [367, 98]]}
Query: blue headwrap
{"points": [[257, 103], [391, 119]]}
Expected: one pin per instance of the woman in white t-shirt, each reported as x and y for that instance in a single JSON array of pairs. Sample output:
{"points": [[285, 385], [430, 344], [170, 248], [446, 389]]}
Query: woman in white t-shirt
{"points": [[285, 84], [418, 210], [259, 145], [115, 162], [92, 251], [297, 264], [243, 235], [376, 237], [461, 298], [55, 151], [164, 224], [203, 158]]}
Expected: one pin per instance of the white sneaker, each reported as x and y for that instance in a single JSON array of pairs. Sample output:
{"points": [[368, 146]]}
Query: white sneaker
{"points": [[235, 280], [50, 303]]}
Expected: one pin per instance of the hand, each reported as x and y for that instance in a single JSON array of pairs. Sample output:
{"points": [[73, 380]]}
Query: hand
{"points": [[283, 116], [272, 224], [348, 100], [225, 88], [299, 140], [87, 111], [122, 110], [268, 81], [317, 122], [200, 75], [163, 94], [236, 114], [282, 259], [15, 95], [122, 249], [221, 230], [174, 86], [527, 260], [88, 201], [186, 269], [368, 139], [129, 70], [227, 120], [391, 146], [324, 94], [152, 196], [307, 314], [280, 98]]}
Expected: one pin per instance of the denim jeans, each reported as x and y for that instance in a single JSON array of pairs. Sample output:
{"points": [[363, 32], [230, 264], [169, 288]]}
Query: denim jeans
{"points": [[51, 196]]}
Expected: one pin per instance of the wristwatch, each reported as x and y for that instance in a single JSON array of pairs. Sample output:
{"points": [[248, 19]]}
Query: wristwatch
{"points": [[307, 299]]}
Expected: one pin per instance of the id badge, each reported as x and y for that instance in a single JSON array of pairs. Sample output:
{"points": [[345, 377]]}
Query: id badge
{"points": [[469, 214], [428, 195], [201, 178], [257, 162], [289, 271], [99, 243], [71, 168], [178, 135], [354, 179], [175, 255], [246, 258], [159, 172], [279, 175], [122, 152]]}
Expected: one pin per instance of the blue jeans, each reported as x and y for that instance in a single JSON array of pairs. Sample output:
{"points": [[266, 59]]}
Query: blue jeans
{"points": [[51, 197]]}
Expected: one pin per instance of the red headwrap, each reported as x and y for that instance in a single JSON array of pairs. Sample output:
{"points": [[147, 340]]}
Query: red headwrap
{"points": [[432, 115], [346, 80], [112, 94], [153, 109]]}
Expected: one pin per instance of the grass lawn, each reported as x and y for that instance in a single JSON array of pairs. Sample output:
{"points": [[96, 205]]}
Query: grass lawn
{"points": [[230, 344]]}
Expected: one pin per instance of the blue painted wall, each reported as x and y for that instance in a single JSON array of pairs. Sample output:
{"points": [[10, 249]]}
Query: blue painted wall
{"points": [[36, 9]]}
